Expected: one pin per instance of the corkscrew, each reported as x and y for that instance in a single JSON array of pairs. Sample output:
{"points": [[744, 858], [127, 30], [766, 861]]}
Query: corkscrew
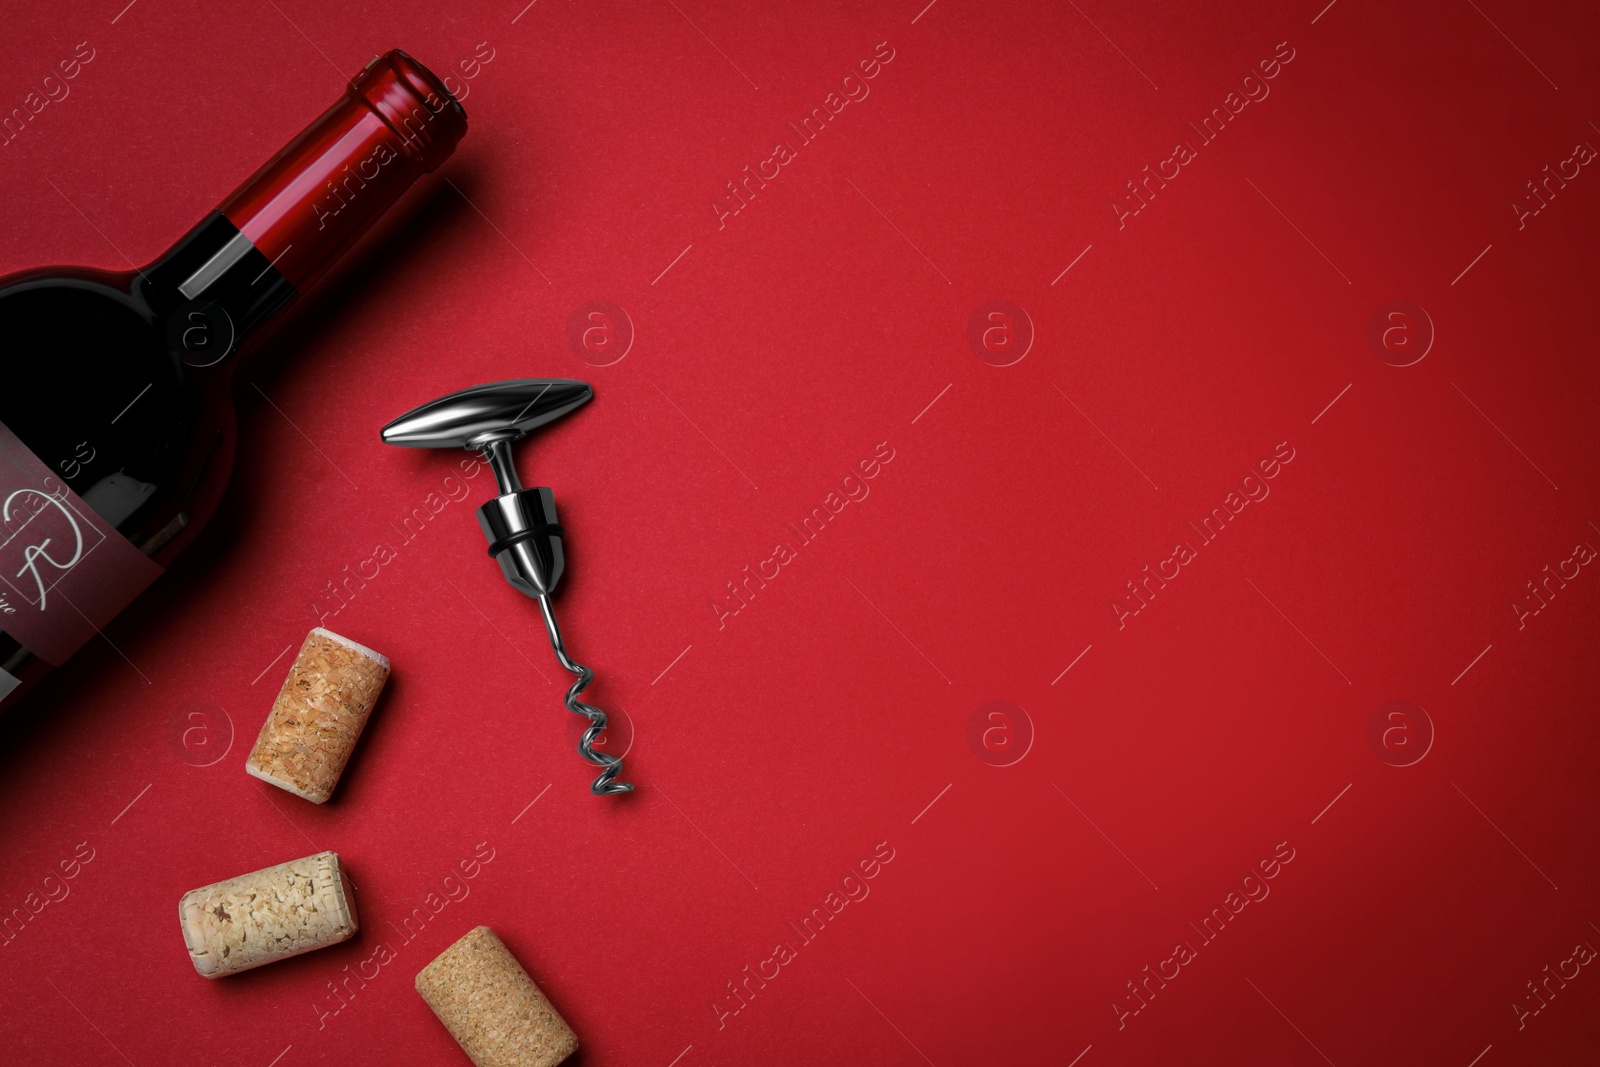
{"points": [[524, 536]]}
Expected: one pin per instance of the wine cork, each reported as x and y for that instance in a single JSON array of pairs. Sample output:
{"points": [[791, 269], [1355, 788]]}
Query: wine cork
{"points": [[307, 739], [492, 1008], [268, 915]]}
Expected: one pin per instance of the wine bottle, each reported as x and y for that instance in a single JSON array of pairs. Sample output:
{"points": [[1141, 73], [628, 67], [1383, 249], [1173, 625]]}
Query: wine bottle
{"points": [[117, 430]]}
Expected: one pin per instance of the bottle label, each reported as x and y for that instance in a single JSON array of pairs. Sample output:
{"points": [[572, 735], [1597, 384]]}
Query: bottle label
{"points": [[64, 571]]}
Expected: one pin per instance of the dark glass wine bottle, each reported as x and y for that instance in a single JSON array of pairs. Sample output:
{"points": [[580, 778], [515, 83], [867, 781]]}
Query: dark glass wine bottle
{"points": [[117, 428]]}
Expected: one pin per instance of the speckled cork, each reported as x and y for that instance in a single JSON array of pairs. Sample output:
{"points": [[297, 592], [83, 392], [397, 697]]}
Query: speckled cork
{"points": [[492, 1008], [268, 915], [331, 690]]}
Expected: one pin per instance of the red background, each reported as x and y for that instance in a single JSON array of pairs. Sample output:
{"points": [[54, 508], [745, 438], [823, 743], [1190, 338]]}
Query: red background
{"points": [[826, 715]]}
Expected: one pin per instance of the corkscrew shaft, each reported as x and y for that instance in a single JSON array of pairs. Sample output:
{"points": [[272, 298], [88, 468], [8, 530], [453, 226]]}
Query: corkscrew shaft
{"points": [[606, 784]]}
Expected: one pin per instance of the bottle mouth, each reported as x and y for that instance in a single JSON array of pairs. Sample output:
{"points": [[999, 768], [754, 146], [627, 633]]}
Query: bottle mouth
{"points": [[414, 102]]}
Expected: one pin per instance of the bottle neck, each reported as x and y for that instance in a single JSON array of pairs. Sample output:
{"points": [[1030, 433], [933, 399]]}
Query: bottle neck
{"points": [[213, 288], [281, 230]]}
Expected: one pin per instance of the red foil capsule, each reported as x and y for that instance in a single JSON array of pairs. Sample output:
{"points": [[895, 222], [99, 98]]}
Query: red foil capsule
{"points": [[312, 200]]}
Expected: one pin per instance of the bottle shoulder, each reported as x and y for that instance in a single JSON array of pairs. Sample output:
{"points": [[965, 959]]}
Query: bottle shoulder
{"points": [[93, 281], [91, 385], [72, 300]]}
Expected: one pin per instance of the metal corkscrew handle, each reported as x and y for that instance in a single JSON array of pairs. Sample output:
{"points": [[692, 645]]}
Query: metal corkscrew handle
{"points": [[520, 524]]}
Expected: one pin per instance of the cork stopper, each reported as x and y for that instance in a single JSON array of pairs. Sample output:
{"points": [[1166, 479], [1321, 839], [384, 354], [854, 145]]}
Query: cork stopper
{"points": [[492, 1008], [325, 702], [268, 915]]}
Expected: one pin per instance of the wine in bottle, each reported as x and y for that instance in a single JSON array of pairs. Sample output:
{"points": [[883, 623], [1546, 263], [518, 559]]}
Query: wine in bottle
{"points": [[117, 428]]}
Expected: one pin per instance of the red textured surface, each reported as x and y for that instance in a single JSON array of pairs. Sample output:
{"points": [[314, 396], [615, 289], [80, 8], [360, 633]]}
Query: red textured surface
{"points": [[775, 753]]}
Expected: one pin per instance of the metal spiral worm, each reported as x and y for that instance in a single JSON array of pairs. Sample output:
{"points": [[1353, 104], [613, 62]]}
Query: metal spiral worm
{"points": [[606, 784]]}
